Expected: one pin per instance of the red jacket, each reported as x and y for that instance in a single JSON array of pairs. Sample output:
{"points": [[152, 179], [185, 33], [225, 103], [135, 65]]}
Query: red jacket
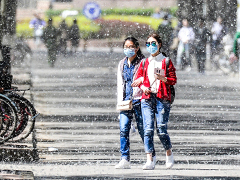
{"points": [[164, 88]]}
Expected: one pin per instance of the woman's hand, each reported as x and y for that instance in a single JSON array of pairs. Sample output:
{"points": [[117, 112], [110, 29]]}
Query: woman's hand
{"points": [[145, 90], [160, 77], [137, 82]]}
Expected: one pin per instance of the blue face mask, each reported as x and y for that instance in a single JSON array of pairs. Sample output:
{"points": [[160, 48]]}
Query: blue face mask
{"points": [[152, 49], [129, 52]]}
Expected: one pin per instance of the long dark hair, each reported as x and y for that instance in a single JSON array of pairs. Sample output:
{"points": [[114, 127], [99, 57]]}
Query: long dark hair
{"points": [[136, 43], [159, 40]]}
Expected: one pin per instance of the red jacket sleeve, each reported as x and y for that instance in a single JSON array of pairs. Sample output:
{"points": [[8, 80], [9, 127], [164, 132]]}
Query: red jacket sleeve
{"points": [[171, 78]]}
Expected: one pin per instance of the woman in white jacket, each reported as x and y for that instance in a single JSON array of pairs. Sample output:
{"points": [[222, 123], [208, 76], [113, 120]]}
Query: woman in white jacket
{"points": [[127, 69]]}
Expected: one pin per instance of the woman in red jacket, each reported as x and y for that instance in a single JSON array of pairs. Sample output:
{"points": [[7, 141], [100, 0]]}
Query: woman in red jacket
{"points": [[155, 80]]}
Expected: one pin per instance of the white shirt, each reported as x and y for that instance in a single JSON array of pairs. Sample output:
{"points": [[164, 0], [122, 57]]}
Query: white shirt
{"points": [[186, 34], [216, 30], [155, 62]]}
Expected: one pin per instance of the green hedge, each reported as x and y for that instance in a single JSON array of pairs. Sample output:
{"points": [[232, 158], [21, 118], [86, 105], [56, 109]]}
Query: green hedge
{"points": [[118, 11], [51, 13], [90, 29], [173, 11]]}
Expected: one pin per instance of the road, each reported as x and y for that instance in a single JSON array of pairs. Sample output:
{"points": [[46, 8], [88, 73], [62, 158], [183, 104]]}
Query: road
{"points": [[78, 132]]}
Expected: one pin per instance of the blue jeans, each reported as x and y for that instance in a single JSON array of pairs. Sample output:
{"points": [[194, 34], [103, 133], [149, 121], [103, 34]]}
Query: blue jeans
{"points": [[155, 108], [181, 49], [125, 126]]}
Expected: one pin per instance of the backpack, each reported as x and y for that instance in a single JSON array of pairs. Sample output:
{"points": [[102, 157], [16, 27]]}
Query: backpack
{"points": [[172, 89]]}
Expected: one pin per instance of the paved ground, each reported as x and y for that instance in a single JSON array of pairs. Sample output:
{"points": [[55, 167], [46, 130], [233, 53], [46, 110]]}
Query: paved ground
{"points": [[78, 135]]}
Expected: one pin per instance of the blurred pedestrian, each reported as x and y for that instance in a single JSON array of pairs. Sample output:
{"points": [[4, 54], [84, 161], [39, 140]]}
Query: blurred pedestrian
{"points": [[202, 36], [236, 44], [74, 36], [154, 78], [234, 57], [174, 44], [157, 13], [63, 30], [50, 39], [218, 32], [165, 31], [127, 69], [186, 37], [37, 24]]}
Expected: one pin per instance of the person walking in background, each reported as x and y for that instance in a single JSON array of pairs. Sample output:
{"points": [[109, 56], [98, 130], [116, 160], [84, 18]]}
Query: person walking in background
{"points": [[234, 56], [236, 44], [155, 78], [74, 36], [50, 39], [127, 69], [218, 32], [186, 37], [174, 45], [157, 13], [63, 30], [37, 24], [202, 36], [165, 31]]}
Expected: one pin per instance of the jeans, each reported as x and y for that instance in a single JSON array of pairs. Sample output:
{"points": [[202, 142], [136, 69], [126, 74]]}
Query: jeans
{"points": [[125, 126], [201, 59], [181, 49], [216, 48], [155, 108]]}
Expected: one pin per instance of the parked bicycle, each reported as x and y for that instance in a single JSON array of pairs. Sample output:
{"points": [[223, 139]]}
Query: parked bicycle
{"points": [[18, 116], [8, 118]]}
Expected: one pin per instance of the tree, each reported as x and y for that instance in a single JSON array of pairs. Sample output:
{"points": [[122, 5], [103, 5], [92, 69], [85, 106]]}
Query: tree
{"points": [[7, 32]]}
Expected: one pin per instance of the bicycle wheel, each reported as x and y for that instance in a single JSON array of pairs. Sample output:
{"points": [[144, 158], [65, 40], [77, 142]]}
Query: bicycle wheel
{"points": [[26, 117], [8, 118]]}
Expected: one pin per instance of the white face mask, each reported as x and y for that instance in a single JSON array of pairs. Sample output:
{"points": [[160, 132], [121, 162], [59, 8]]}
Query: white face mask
{"points": [[129, 52], [152, 49]]}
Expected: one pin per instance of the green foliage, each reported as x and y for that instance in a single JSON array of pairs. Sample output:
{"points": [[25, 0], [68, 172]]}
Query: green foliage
{"points": [[51, 13], [23, 30], [136, 12], [173, 11], [117, 11], [153, 22], [90, 29]]}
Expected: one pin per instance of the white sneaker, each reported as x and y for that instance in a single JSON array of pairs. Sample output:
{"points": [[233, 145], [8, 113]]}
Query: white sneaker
{"points": [[154, 160], [150, 165], [169, 161], [123, 164]]}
